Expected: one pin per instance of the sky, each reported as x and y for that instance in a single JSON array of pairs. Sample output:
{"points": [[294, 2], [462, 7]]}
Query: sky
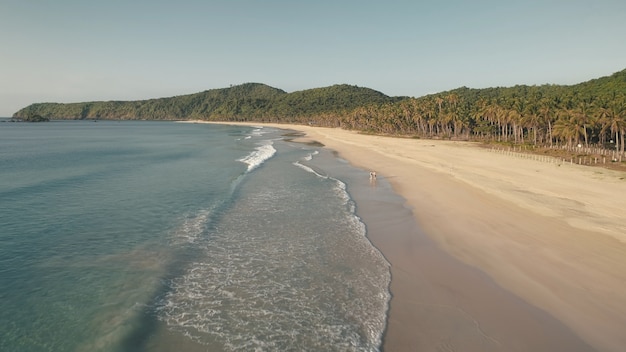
{"points": [[87, 50]]}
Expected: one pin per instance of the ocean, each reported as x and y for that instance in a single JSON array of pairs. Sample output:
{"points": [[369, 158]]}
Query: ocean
{"points": [[162, 236]]}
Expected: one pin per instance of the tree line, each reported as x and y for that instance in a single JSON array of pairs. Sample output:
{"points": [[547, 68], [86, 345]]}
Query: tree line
{"points": [[589, 113]]}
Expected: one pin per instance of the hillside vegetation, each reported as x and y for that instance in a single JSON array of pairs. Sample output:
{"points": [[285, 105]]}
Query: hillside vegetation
{"points": [[589, 113], [250, 101]]}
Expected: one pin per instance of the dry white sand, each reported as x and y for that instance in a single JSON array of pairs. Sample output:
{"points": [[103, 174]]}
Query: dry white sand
{"points": [[541, 247]]}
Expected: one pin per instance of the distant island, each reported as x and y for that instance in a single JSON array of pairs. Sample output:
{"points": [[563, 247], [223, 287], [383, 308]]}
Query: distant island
{"points": [[592, 112]]}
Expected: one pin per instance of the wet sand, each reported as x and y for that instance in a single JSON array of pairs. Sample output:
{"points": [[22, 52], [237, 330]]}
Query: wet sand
{"points": [[494, 252]]}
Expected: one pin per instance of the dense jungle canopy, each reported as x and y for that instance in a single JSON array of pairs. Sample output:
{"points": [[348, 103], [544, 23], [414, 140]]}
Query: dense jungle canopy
{"points": [[592, 112]]}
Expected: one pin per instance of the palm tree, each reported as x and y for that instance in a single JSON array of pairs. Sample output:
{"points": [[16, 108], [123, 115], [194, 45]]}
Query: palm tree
{"points": [[439, 101], [453, 100], [582, 119], [431, 116], [418, 117], [514, 118], [502, 115], [532, 120], [567, 128], [546, 113], [613, 118]]}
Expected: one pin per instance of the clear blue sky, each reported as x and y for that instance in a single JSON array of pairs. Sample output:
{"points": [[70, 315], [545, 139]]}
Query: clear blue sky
{"points": [[83, 50]]}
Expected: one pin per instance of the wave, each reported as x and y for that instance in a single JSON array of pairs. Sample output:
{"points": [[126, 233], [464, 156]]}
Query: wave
{"points": [[376, 317], [191, 228], [252, 287], [339, 188], [258, 131], [306, 168], [309, 169], [259, 155], [310, 156]]}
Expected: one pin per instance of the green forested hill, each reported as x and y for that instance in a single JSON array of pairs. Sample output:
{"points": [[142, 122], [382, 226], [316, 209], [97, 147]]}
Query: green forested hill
{"points": [[250, 101], [592, 112]]}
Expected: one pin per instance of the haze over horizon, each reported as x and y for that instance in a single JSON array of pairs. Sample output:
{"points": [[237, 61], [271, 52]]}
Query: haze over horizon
{"points": [[73, 51]]}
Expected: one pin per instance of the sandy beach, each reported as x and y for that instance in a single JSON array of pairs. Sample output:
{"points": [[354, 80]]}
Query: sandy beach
{"points": [[507, 253]]}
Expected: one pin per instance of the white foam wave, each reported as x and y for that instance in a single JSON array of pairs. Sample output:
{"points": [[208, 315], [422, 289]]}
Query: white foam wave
{"points": [[377, 319], [274, 288], [342, 192], [245, 307], [258, 132], [191, 228], [308, 169], [259, 155], [310, 156]]}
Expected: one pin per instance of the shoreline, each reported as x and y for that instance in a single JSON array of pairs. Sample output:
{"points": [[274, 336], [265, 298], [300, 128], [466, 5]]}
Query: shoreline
{"points": [[515, 254]]}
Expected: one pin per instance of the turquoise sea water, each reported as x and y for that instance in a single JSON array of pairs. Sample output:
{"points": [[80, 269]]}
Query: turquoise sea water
{"points": [[160, 236]]}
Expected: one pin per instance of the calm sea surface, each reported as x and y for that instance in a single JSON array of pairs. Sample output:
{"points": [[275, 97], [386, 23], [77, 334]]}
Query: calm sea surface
{"points": [[160, 236]]}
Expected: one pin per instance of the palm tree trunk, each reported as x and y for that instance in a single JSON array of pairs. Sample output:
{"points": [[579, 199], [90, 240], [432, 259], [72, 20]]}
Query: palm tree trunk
{"points": [[621, 145], [550, 131]]}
